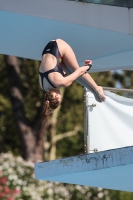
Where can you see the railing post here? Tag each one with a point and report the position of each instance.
(86, 121)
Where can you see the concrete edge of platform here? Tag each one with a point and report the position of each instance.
(85, 162)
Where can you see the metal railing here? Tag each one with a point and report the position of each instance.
(120, 3)
(118, 89)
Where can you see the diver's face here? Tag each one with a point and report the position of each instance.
(56, 94)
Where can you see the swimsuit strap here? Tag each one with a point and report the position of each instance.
(45, 74)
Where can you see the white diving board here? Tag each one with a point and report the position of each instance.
(107, 125)
(112, 169)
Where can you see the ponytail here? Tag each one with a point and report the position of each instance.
(49, 104)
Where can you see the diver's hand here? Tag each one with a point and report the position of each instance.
(88, 63)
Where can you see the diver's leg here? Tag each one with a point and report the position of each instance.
(79, 80)
(68, 54)
(82, 81)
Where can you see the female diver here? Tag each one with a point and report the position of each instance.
(57, 58)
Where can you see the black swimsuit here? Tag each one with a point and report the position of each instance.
(52, 48)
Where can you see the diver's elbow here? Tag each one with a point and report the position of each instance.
(66, 83)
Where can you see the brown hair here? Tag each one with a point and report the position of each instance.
(50, 103)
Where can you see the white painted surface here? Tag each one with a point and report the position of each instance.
(110, 124)
(98, 32)
(105, 169)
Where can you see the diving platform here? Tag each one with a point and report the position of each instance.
(102, 33)
(111, 169)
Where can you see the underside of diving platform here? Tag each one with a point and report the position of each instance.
(112, 169)
(98, 32)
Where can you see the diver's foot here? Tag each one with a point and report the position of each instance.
(101, 93)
